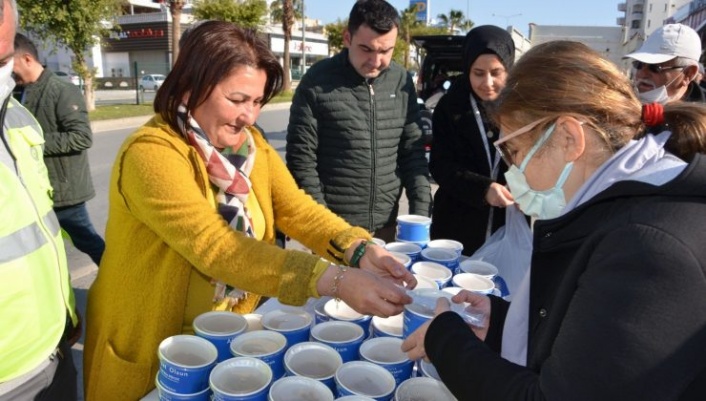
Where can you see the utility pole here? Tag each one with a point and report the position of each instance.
(303, 39)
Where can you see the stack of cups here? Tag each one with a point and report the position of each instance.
(185, 363)
(414, 229)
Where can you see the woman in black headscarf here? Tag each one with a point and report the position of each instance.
(463, 160)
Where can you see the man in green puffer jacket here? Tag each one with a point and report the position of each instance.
(353, 139)
(60, 110)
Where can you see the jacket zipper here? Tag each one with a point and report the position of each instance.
(373, 151)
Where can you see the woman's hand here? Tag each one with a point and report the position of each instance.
(479, 303)
(379, 261)
(499, 196)
(363, 291)
(414, 344)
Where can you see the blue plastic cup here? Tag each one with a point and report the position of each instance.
(439, 273)
(266, 345)
(293, 323)
(313, 360)
(320, 315)
(412, 250)
(185, 363)
(414, 228)
(166, 395)
(339, 310)
(344, 337)
(299, 388)
(414, 316)
(387, 353)
(442, 256)
(220, 328)
(241, 379)
(365, 378)
(387, 326)
(450, 244)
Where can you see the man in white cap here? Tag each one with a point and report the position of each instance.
(666, 65)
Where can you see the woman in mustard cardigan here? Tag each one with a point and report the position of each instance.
(195, 196)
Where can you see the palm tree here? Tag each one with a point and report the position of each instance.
(175, 7)
(286, 11)
(408, 20)
(455, 20)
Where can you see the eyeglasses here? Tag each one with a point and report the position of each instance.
(656, 68)
(501, 144)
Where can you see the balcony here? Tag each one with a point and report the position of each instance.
(622, 7)
(620, 21)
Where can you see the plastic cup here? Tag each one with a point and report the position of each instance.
(473, 282)
(240, 379)
(266, 345)
(339, 310)
(387, 353)
(185, 363)
(423, 388)
(220, 328)
(446, 244)
(299, 388)
(439, 273)
(313, 360)
(365, 378)
(387, 327)
(344, 337)
(478, 267)
(293, 323)
(411, 227)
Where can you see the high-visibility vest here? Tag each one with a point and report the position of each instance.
(35, 288)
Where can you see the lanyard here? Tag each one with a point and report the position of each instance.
(493, 165)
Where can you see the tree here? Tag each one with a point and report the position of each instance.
(276, 10)
(334, 33)
(455, 20)
(287, 24)
(408, 20)
(248, 14)
(175, 7)
(75, 24)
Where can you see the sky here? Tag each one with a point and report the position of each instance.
(519, 13)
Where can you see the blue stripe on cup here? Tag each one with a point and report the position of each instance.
(166, 395)
(412, 227)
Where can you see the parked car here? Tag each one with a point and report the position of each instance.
(442, 64)
(151, 82)
(68, 77)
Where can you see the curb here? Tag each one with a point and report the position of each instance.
(133, 122)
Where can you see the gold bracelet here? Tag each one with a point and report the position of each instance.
(337, 281)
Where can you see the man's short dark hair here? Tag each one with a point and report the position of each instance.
(24, 45)
(379, 15)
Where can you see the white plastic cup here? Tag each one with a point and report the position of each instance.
(387, 326)
(423, 388)
(424, 282)
(474, 283)
(240, 379)
(220, 328)
(299, 388)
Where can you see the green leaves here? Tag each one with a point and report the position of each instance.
(247, 14)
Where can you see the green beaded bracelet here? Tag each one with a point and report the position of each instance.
(358, 254)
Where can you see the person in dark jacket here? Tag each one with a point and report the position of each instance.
(60, 110)
(614, 306)
(468, 206)
(353, 140)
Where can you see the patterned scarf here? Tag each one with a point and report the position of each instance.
(228, 170)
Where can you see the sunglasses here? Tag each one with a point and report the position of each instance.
(501, 144)
(655, 68)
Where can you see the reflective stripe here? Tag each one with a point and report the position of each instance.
(27, 239)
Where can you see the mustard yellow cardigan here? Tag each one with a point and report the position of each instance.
(163, 227)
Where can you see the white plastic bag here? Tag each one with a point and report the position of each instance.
(509, 249)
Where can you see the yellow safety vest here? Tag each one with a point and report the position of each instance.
(35, 288)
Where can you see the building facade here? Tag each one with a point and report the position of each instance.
(606, 40)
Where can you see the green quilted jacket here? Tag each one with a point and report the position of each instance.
(354, 144)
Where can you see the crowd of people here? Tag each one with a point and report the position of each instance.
(609, 169)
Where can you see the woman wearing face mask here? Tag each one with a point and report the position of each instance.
(463, 161)
(614, 306)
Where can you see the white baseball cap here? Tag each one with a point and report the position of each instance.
(668, 42)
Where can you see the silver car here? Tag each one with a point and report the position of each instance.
(151, 82)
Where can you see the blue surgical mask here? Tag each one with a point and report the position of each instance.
(539, 204)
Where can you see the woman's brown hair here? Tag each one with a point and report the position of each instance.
(209, 54)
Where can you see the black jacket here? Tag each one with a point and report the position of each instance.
(617, 304)
(353, 145)
(60, 110)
